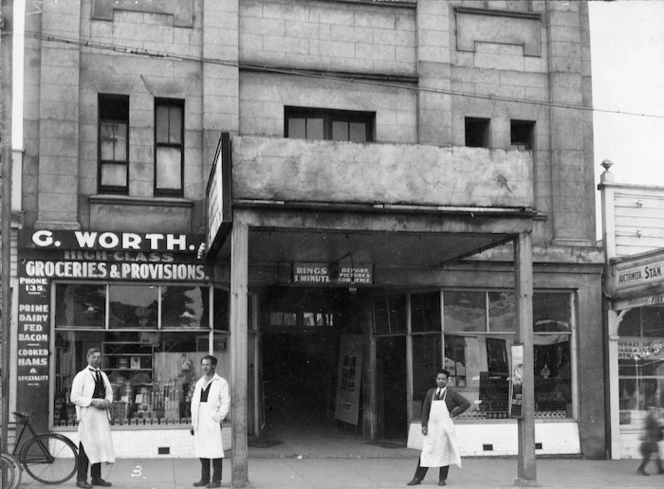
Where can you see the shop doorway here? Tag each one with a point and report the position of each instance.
(301, 331)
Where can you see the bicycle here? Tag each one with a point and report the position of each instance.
(10, 471)
(49, 458)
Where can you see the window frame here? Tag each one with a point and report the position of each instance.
(330, 116)
(112, 189)
(168, 103)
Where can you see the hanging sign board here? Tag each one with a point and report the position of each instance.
(326, 274)
(516, 383)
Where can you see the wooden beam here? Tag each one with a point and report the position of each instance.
(238, 352)
(523, 281)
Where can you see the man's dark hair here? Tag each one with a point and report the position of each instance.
(443, 371)
(212, 359)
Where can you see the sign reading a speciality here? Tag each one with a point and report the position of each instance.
(326, 274)
(516, 383)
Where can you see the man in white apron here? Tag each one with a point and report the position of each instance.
(92, 394)
(210, 403)
(440, 448)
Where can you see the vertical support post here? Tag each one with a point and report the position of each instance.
(523, 281)
(7, 19)
(238, 352)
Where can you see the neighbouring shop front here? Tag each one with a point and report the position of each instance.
(636, 325)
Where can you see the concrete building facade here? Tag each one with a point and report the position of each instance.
(400, 186)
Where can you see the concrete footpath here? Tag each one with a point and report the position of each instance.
(300, 472)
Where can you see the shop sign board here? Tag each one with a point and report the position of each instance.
(219, 193)
(33, 345)
(637, 281)
(326, 274)
(347, 405)
(637, 348)
(516, 383)
(81, 255)
(45, 239)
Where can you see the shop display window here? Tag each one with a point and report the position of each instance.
(151, 337)
(425, 311)
(80, 305)
(478, 331)
(389, 314)
(640, 364)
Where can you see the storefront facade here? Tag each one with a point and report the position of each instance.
(634, 282)
(362, 221)
(147, 300)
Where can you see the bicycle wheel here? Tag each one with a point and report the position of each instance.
(10, 471)
(49, 458)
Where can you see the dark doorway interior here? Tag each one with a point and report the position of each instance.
(300, 335)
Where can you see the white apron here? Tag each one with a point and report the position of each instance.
(94, 431)
(208, 435)
(439, 448)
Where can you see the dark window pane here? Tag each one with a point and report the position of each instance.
(340, 131)
(464, 311)
(133, 306)
(182, 307)
(80, 305)
(477, 132)
(389, 314)
(425, 312)
(113, 107)
(426, 360)
(653, 321)
(222, 310)
(551, 312)
(113, 141)
(381, 316)
(631, 323)
(162, 124)
(502, 312)
(315, 129)
(358, 132)
(175, 125)
(553, 385)
(297, 128)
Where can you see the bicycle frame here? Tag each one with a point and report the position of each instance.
(33, 434)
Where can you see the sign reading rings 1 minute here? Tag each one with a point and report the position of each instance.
(115, 272)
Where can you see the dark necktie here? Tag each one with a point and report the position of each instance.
(438, 395)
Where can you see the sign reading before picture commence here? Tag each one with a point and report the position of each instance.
(328, 275)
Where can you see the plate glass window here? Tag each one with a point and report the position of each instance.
(113, 148)
(169, 147)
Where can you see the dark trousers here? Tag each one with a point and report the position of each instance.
(647, 449)
(82, 466)
(216, 467)
(420, 471)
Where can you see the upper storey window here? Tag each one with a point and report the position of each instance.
(113, 143)
(336, 125)
(169, 147)
(477, 132)
(522, 135)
